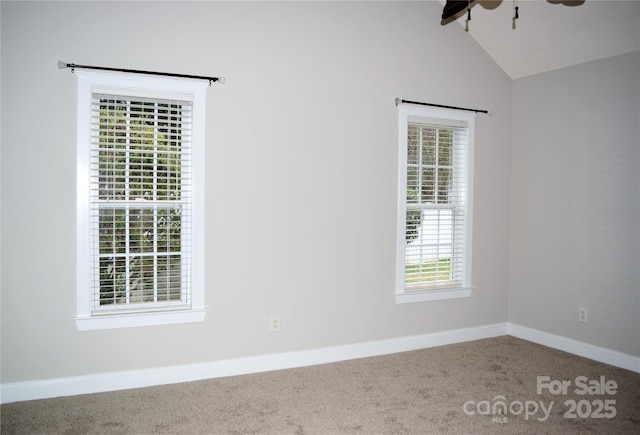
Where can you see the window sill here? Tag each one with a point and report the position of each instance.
(132, 320)
(433, 295)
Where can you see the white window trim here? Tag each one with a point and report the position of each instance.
(452, 117)
(136, 85)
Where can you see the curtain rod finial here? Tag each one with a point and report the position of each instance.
(62, 65)
(220, 80)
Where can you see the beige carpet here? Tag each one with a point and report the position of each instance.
(447, 389)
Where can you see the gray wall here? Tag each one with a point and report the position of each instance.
(575, 203)
(301, 173)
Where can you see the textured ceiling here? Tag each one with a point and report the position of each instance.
(550, 35)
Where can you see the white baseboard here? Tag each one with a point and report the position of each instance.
(123, 380)
(102, 382)
(597, 353)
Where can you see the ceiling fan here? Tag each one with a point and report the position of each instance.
(454, 9)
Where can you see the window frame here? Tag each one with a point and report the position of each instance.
(441, 116)
(132, 86)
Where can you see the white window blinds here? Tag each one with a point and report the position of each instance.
(140, 202)
(436, 204)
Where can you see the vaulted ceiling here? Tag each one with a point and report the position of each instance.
(549, 34)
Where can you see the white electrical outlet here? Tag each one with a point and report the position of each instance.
(274, 324)
(582, 314)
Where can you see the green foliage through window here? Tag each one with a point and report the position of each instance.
(139, 154)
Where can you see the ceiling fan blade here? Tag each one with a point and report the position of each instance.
(453, 9)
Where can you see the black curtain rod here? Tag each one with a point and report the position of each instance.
(62, 65)
(398, 101)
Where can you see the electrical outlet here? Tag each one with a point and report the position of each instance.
(274, 324)
(582, 314)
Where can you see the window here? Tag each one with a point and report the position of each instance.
(434, 211)
(139, 200)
